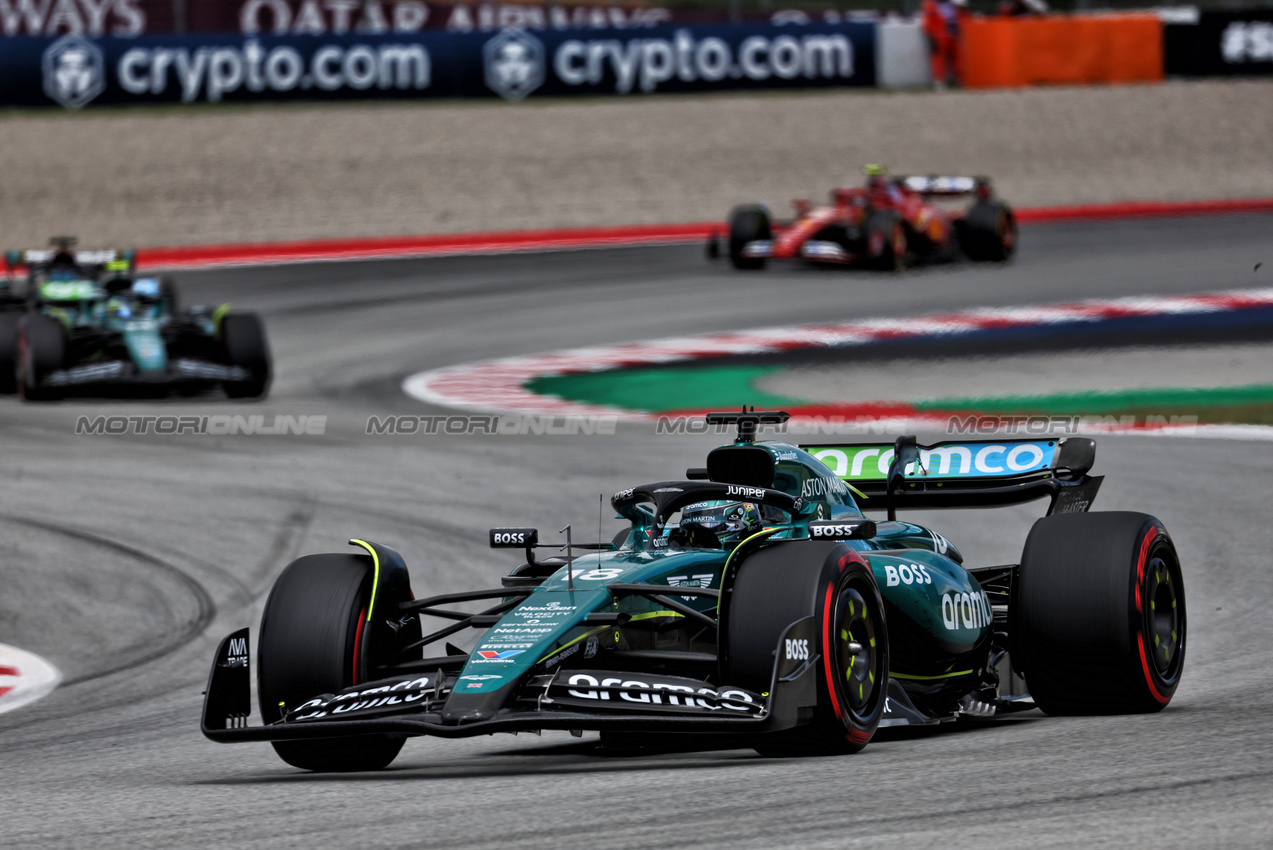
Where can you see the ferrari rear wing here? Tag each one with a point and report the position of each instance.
(965, 473)
(947, 186)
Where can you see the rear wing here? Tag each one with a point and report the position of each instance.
(947, 186)
(109, 259)
(966, 473)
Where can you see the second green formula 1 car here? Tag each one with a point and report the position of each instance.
(89, 324)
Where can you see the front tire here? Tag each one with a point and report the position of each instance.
(829, 581)
(309, 633)
(748, 223)
(8, 353)
(887, 245)
(1098, 620)
(243, 336)
(41, 350)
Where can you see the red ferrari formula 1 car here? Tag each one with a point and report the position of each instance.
(889, 223)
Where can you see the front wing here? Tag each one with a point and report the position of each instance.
(603, 700)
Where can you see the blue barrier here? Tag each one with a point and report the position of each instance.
(75, 71)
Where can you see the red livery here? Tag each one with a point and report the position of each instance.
(889, 223)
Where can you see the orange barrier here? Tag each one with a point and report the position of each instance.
(1062, 50)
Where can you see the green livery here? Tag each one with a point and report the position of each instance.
(752, 598)
(88, 323)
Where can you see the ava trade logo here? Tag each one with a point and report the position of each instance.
(493, 655)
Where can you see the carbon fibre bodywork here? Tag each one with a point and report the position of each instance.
(636, 635)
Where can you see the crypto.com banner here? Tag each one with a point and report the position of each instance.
(75, 71)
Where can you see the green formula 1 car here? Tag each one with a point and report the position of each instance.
(87, 323)
(752, 599)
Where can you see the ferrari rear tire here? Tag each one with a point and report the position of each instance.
(243, 336)
(1097, 620)
(308, 647)
(748, 223)
(829, 581)
(989, 232)
(41, 350)
(8, 353)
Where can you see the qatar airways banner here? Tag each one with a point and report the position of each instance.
(130, 18)
(74, 71)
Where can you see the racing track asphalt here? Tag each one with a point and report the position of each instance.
(149, 549)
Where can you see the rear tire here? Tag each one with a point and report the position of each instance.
(8, 353)
(989, 232)
(1098, 616)
(243, 336)
(308, 634)
(784, 583)
(748, 224)
(41, 350)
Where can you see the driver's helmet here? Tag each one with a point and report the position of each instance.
(728, 520)
(876, 176)
(64, 273)
(119, 308)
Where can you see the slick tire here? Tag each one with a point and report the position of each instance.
(309, 633)
(747, 224)
(41, 350)
(1097, 618)
(989, 232)
(887, 246)
(787, 582)
(169, 295)
(8, 353)
(243, 337)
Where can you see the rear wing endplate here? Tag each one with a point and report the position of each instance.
(969, 473)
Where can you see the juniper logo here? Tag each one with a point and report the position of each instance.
(514, 64)
(74, 71)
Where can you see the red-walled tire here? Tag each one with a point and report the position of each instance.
(790, 581)
(1097, 620)
(307, 648)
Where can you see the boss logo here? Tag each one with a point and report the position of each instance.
(797, 650)
(823, 530)
(514, 537)
(906, 574)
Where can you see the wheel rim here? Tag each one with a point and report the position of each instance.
(1163, 621)
(899, 244)
(857, 650)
